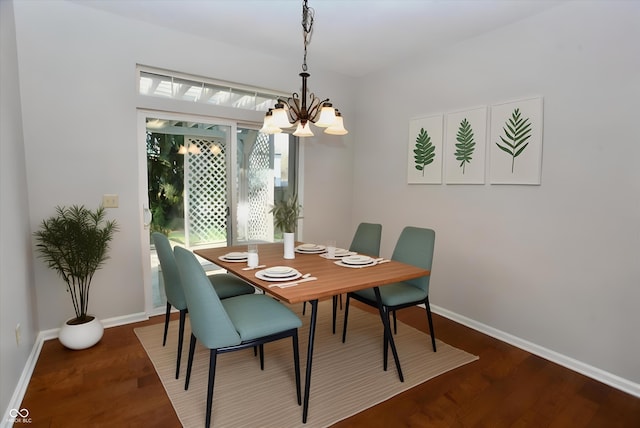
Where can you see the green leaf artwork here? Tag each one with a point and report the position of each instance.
(517, 132)
(466, 145)
(424, 151)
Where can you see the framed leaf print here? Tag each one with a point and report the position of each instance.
(465, 146)
(424, 163)
(516, 142)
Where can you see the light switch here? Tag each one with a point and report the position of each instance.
(110, 201)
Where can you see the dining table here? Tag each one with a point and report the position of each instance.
(331, 279)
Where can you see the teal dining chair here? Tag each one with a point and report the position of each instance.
(231, 324)
(366, 240)
(414, 247)
(228, 286)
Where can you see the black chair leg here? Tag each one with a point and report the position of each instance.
(296, 363)
(183, 315)
(261, 348)
(166, 323)
(346, 317)
(433, 337)
(192, 348)
(212, 378)
(335, 308)
(304, 307)
(395, 323)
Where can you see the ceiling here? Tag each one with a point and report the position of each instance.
(351, 37)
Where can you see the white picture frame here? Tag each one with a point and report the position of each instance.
(516, 142)
(465, 146)
(424, 157)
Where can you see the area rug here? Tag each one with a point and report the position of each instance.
(346, 378)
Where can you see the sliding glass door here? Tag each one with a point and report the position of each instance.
(212, 183)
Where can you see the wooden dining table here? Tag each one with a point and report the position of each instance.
(332, 280)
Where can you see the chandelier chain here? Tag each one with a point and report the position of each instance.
(307, 29)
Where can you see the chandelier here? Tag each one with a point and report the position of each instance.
(304, 109)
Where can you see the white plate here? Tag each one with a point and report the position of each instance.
(279, 271)
(339, 255)
(234, 257)
(261, 275)
(357, 260)
(371, 263)
(310, 249)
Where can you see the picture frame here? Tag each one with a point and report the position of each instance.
(516, 142)
(425, 157)
(465, 146)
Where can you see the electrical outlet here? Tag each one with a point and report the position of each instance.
(18, 334)
(110, 201)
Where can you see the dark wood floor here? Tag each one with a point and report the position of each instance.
(115, 385)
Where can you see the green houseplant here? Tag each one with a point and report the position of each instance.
(286, 213)
(75, 244)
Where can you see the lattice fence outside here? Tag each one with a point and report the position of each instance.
(260, 190)
(206, 192)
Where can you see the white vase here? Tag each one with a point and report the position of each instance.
(81, 336)
(289, 243)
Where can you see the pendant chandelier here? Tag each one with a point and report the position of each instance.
(303, 109)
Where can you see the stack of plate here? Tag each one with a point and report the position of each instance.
(278, 273)
(338, 254)
(234, 257)
(310, 249)
(357, 261)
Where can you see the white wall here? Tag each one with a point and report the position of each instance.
(17, 295)
(555, 264)
(77, 78)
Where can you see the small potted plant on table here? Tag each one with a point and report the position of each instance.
(285, 217)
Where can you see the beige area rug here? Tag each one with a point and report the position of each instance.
(346, 378)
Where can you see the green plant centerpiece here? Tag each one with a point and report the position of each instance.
(75, 243)
(286, 213)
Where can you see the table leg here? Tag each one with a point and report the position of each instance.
(307, 382)
(387, 333)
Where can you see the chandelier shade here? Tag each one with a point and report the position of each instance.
(301, 110)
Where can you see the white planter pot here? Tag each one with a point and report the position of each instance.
(81, 336)
(289, 243)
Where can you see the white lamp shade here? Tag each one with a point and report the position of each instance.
(327, 116)
(280, 118)
(267, 126)
(337, 128)
(303, 131)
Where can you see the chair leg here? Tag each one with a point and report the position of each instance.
(296, 366)
(166, 323)
(304, 307)
(433, 337)
(346, 317)
(212, 378)
(192, 348)
(385, 356)
(183, 315)
(395, 323)
(335, 308)
(261, 348)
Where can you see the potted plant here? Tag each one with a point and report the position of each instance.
(286, 213)
(74, 243)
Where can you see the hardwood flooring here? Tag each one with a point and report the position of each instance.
(115, 385)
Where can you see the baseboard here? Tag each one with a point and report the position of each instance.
(600, 375)
(30, 364)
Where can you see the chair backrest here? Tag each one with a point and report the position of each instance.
(415, 247)
(210, 323)
(170, 275)
(367, 239)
